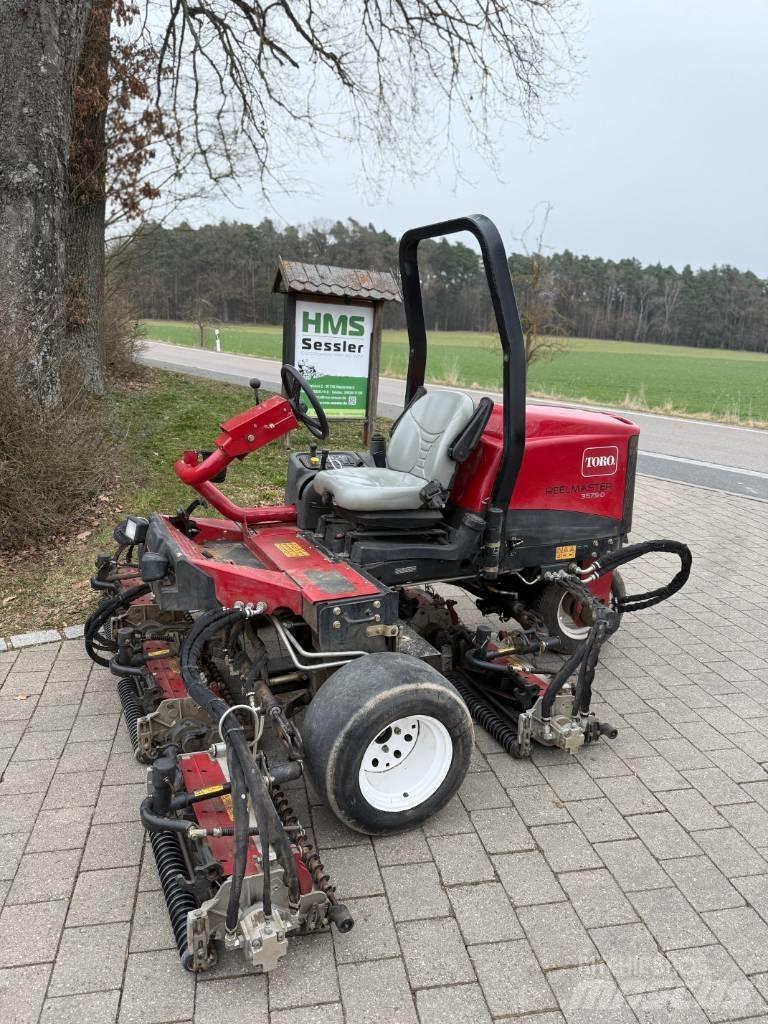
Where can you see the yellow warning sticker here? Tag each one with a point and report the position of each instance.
(208, 791)
(227, 801)
(292, 550)
(565, 551)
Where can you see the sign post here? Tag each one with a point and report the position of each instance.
(332, 334)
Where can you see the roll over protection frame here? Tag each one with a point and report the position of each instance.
(507, 321)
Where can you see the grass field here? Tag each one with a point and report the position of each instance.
(155, 420)
(707, 383)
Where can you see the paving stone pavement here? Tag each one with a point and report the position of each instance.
(628, 883)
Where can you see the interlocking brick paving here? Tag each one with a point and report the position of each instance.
(629, 883)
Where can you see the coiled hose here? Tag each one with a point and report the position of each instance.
(586, 656)
(99, 618)
(637, 602)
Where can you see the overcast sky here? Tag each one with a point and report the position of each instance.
(660, 153)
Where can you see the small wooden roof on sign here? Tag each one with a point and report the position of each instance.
(318, 279)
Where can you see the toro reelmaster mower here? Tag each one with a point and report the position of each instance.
(318, 621)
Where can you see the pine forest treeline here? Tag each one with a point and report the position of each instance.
(224, 272)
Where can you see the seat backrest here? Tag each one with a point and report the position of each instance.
(425, 432)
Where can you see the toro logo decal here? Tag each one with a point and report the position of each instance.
(600, 461)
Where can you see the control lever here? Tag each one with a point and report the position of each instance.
(313, 459)
(324, 457)
(255, 384)
(378, 450)
(197, 503)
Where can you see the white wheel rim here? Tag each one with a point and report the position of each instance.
(406, 763)
(566, 624)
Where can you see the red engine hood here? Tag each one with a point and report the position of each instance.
(574, 460)
(547, 421)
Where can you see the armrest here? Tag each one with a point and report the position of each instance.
(464, 444)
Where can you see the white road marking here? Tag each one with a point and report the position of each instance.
(704, 487)
(705, 465)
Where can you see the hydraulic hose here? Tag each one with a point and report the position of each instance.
(240, 844)
(103, 613)
(583, 691)
(234, 737)
(559, 680)
(471, 658)
(183, 800)
(586, 656)
(260, 796)
(156, 823)
(232, 733)
(637, 602)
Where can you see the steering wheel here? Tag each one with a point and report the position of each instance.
(294, 384)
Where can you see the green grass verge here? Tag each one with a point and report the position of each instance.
(154, 421)
(706, 383)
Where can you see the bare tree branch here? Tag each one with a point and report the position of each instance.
(394, 79)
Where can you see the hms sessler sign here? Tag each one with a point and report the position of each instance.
(332, 345)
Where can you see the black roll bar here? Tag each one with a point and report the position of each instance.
(507, 321)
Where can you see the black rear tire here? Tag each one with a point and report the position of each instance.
(357, 712)
(551, 605)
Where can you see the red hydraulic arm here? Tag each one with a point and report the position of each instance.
(240, 436)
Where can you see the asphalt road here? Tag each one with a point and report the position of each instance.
(713, 455)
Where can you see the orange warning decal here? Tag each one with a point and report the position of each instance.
(292, 550)
(565, 551)
(208, 790)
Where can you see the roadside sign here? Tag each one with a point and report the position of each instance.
(332, 333)
(332, 349)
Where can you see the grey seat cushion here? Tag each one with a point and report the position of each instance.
(368, 489)
(417, 454)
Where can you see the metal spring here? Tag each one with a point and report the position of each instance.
(306, 850)
(132, 710)
(179, 901)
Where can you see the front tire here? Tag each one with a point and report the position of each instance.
(387, 741)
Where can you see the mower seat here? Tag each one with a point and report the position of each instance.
(419, 468)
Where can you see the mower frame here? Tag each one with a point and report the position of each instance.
(323, 623)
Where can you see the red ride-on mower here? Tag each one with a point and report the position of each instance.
(319, 618)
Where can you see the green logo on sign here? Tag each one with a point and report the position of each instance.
(326, 323)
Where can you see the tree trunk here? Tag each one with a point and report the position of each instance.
(86, 210)
(39, 49)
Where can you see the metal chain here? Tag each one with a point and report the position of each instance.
(307, 852)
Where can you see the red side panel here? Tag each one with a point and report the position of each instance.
(165, 672)
(319, 577)
(294, 570)
(200, 772)
(574, 461)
